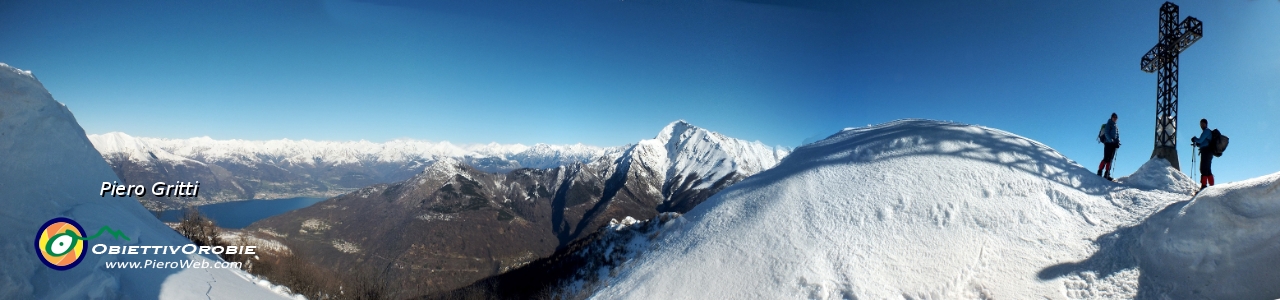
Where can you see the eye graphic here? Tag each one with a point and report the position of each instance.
(61, 244)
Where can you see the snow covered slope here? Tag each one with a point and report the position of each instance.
(49, 169)
(1224, 244)
(910, 209)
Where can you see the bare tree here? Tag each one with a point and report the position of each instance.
(200, 229)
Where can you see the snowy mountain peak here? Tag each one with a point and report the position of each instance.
(119, 143)
(444, 167)
(674, 129)
(692, 159)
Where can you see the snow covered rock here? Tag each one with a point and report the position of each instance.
(49, 169)
(1224, 244)
(909, 209)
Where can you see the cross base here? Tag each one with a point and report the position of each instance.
(1168, 153)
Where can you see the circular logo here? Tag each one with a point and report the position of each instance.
(60, 243)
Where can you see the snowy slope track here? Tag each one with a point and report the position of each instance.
(912, 209)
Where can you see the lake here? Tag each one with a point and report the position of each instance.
(238, 214)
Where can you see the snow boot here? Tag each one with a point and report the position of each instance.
(1108, 176)
(1099, 172)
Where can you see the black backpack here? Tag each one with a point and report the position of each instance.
(1219, 143)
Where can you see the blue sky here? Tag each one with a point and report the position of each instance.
(613, 72)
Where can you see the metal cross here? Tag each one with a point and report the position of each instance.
(1163, 59)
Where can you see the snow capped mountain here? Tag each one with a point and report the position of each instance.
(521, 215)
(542, 156)
(691, 160)
(118, 143)
(308, 152)
(48, 169)
(694, 151)
(239, 169)
(925, 209)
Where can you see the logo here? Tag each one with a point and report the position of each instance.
(59, 245)
(61, 242)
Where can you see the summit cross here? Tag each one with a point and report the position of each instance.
(1162, 59)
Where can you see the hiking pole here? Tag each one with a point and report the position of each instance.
(1193, 163)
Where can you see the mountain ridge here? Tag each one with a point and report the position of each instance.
(513, 218)
(239, 170)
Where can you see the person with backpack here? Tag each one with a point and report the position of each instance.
(1110, 138)
(1206, 144)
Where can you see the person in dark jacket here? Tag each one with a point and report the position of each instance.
(1111, 140)
(1205, 143)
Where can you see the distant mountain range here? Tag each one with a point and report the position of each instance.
(455, 223)
(231, 170)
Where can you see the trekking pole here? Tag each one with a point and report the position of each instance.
(1193, 163)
